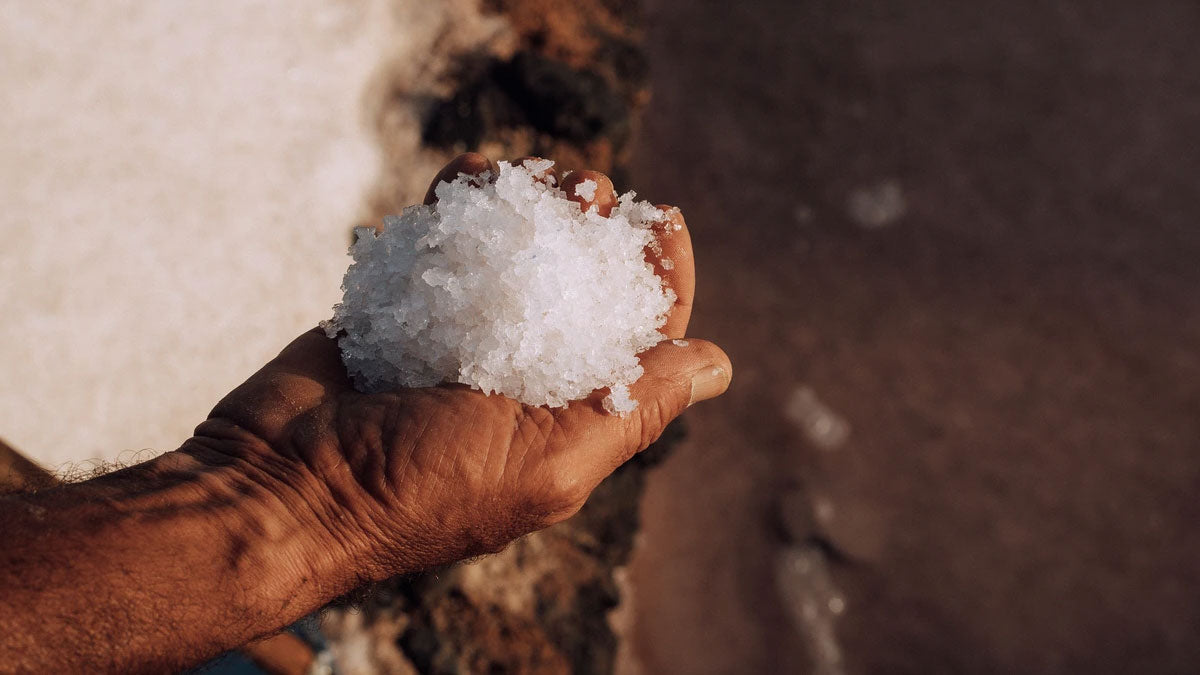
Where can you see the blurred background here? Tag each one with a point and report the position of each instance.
(951, 248)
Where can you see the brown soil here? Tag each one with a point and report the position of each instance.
(1018, 356)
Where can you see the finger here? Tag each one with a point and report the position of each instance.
(549, 176)
(678, 374)
(671, 255)
(590, 188)
(470, 163)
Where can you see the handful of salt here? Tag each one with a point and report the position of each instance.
(508, 287)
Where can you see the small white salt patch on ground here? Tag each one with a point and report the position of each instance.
(814, 603)
(877, 206)
(822, 426)
(802, 214)
(507, 287)
(679, 343)
(823, 510)
(667, 264)
(586, 189)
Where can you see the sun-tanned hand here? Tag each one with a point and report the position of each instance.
(301, 488)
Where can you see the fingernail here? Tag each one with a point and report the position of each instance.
(708, 383)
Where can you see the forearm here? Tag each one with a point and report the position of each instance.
(156, 567)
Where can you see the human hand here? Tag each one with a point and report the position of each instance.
(406, 480)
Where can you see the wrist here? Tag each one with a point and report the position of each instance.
(275, 508)
(199, 547)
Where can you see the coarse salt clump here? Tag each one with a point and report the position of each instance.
(508, 287)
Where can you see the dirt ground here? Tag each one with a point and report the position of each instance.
(971, 230)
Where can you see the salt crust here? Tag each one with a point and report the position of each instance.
(508, 287)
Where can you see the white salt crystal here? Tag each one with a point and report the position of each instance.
(618, 401)
(509, 288)
(586, 189)
(679, 343)
(537, 167)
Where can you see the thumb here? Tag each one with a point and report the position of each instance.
(677, 374)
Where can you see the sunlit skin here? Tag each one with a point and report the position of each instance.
(298, 489)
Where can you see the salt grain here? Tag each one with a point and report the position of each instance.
(586, 189)
(509, 288)
(537, 167)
